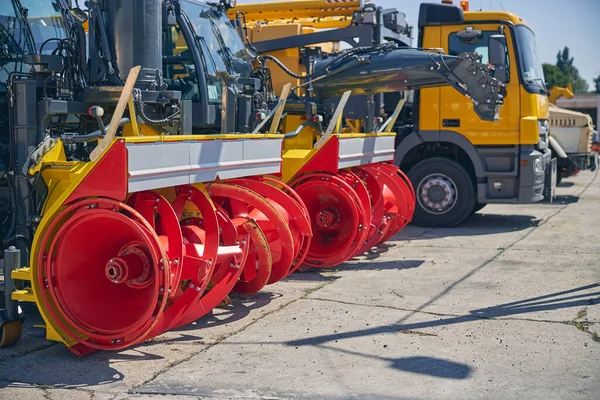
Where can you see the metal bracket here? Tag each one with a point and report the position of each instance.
(12, 261)
(389, 124)
(276, 112)
(336, 120)
(118, 113)
(133, 116)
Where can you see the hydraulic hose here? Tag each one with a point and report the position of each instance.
(139, 107)
(90, 137)
(283, 67)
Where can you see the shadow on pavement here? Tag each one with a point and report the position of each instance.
(382, 265)
(377, 251)
(311, 275)
(432, 366)
(565, 184)
(240, 307)
(555, 301)
(61, 369)
(424, 365)
(477, 224)
(563, 199)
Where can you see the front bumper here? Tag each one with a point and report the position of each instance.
(531, 184)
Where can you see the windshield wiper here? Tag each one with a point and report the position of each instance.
(540, 80)
(22, 15)
(200, 42)
(222, 43)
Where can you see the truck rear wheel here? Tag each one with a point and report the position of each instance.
(445, 193)
(478, 206)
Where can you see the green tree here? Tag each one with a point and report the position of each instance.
(564, 62)
(597, 83)
(554, 76)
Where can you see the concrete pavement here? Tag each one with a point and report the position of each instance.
(504, 306)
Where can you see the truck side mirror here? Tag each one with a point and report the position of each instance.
(79, 15)
(497, 56)
(497, 50)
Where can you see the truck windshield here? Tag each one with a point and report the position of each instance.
(16, 39)
(223, 43)
(12, 35)
(45, 22)
(531, 67)
(13, 41)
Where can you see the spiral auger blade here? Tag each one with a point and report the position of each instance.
(292, 209)
(190, 219)
(380, 222)
(243, 206)
(392, 198)
(339, 225)
(232, 254)
(406, 207)
(366, 206)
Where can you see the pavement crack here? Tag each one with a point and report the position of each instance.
(417, 333)
(447, 315)
(554, 250)
(497, 255)
(221, 339)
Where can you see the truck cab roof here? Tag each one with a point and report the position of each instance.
(432, 14)
(494, 16)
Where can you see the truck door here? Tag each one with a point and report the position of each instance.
(456, 111)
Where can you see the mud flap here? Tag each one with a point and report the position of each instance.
(550, 181)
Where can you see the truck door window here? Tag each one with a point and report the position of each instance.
(456, 46)
(220, 45)
(179, 69)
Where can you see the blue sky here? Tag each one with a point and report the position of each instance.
(557, 23)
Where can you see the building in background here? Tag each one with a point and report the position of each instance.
(588, 103)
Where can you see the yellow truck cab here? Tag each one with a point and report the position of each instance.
(457, 162)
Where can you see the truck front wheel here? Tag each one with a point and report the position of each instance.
(445, 193)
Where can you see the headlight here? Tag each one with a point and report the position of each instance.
(543, 130)
(538, 166)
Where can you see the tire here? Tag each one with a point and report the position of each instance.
(478, 206)
(445, 193)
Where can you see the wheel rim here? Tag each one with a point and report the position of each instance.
(437, 194)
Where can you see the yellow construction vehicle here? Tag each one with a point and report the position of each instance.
(147, 176)
(457, 161)
(556, 92)
(571, 136)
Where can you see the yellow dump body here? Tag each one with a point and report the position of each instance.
(284, 11)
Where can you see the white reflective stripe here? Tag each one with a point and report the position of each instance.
(366, 150)
(165, 164)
